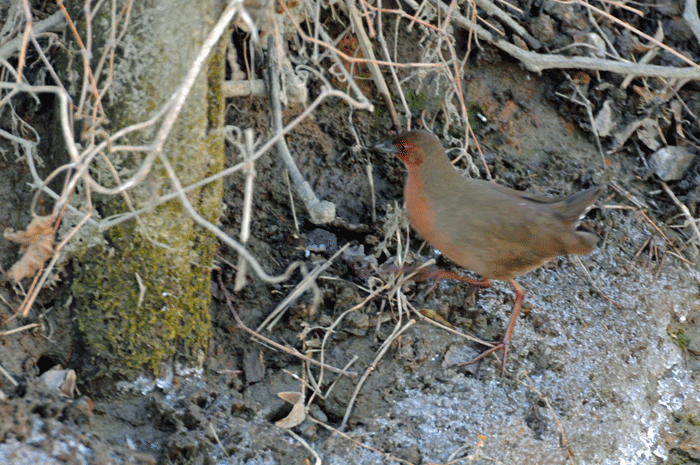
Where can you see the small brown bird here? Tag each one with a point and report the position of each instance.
(492, 230)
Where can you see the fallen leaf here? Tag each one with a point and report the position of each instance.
(64, 382)
(37, 246)
(650, 134)
(677, 111)
(426, 312)
(298, 413)
(604, 121)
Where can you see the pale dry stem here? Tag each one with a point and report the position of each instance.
(399, 328)
(247, 209)
(387, 456)
(289, 350)
(588, 106)
(9, 377)
(640, 208)
(545, 399)
(691, 222)
(20, 329)
(368, 52)
(330, 329)
(537, 62)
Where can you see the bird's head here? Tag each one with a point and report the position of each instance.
(414, 148)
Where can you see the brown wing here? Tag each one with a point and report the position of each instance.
(498, 234)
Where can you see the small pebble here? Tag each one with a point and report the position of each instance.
(670, 163)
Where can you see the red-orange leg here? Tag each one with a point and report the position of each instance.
(437, 273)
(505, 342)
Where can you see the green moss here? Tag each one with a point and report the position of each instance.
(419, 101)
(215, 95)
(126, 332)
(128, 326)
(456, 132)
(416, 101)
(476, 117)
(685, 431)
(679, 338)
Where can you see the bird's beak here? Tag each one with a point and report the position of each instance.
(385, 147)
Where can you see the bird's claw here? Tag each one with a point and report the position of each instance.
(503, 345)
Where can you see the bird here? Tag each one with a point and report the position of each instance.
(494, 231)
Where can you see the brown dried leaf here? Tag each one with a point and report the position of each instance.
(604, 122)
(37, 246)
(298, 413)
(677, 111)
(63, 382)
(426, 312)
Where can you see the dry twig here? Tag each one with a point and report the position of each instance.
(308, 281)
(380, 353)
(691, 222)
(247, 209)
(320, 211)
(368, 52)
(389, 457)
(289, 350)
(544, 398)
(690, 14)
(537, 62)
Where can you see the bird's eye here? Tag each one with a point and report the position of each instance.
(409, 153)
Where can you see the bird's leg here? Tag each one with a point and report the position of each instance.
(505, 342)
(437, 273)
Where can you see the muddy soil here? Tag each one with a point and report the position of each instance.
(603, 366)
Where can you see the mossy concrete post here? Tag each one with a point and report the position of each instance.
(140, 304)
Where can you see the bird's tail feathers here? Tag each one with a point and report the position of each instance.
(574, 207)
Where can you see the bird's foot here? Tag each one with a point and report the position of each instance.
(503, 345)
(517, 306)
(437, 274)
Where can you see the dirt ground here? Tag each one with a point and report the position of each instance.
(604, 365)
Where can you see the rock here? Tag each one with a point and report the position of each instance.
(605, 120)
(320, 240)
(670, 163)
